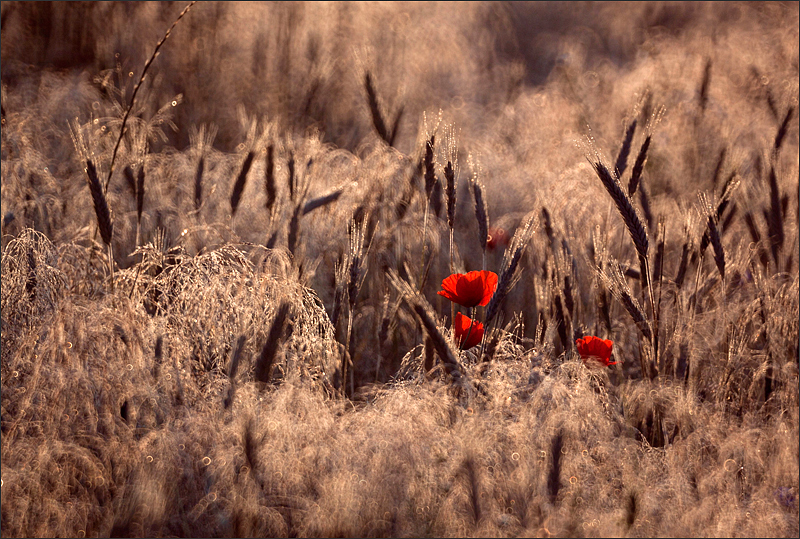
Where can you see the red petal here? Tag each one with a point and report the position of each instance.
(462, 328)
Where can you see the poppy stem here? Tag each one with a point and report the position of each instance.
(465, 340)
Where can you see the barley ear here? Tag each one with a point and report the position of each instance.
(238, 186)
(374, 109)
(626, 210)
(481, 214)
(450, 176)
(198, 184)
(622, 157)
(422, 309)
(100, 203)
(638, 167)
(263, 372)
(269, 178)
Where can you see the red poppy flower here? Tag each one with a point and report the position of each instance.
(470, 289)
(462, 327)
(497, 237)
(597, 349)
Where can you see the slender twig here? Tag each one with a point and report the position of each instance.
(136, 90)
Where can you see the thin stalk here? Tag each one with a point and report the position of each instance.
(136, 91)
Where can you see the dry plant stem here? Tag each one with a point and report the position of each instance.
(687, 376)
(110, 254)
(346, 356)
(449, 174)
(653, 313)
(136, 91)
(662, 239)
(430, 180)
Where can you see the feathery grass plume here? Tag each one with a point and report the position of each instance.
(374, 109)
(269, 178)
(420, 306)
(508, 275)
(704, 85)
(638, 167)
(238, 186)
(775, 218)
(622, 157)
(100, 204)
(263, 370)
(136, 90)
(782, 130)
(198, 183)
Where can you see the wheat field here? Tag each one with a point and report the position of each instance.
(240, 256)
